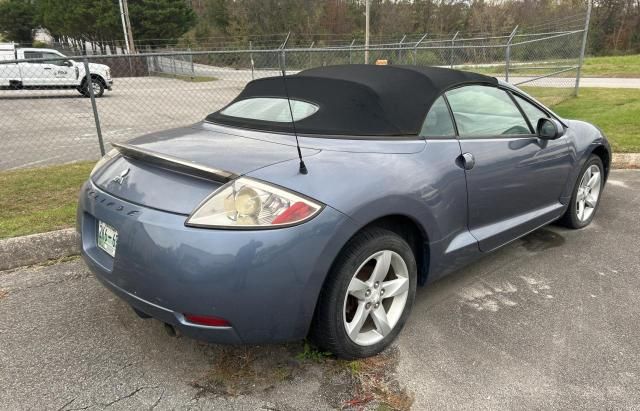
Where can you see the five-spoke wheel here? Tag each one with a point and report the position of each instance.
(588, 192)
(586, 195)
(376, 297)
(367, 296)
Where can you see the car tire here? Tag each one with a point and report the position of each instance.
(375, 261)
(98, 88)
(589, 194)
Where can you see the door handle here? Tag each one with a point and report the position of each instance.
(468, 161)
(47, 68)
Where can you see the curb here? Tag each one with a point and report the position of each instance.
(625, 160)
(37, 248)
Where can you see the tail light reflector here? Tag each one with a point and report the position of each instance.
(206, 320)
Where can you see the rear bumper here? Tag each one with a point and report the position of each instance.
(221, 335)
(265, 282)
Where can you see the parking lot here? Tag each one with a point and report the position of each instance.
(549, 321)
(56, 126)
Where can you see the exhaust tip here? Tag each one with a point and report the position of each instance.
(170, 329)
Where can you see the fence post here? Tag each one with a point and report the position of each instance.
(193, 69)
(400, 49)
(508, 54)
(283, 61)
(584, 46)
(350, 47)
(87, 74)
(251, 57)
(150, 64)
(415, 49)
(311, 53)
(453, 42)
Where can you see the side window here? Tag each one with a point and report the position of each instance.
(55, 59)
(483, 111)
(533, 113)
(438, 122)
(33, 55)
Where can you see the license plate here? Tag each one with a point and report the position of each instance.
(107, 238)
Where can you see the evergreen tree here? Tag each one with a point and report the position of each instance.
(17, 20)
(153, 20)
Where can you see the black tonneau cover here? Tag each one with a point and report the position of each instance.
(357, 99)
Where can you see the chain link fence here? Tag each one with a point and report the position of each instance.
(65, 120)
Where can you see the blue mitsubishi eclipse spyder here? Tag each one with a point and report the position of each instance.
(314, 204)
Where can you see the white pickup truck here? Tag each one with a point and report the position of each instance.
(58, 72)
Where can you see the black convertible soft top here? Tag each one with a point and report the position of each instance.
(357, 99)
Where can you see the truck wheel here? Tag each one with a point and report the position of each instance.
(98, 88)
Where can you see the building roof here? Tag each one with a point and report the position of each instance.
(357, 99)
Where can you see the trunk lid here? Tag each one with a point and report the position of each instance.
(175, 170)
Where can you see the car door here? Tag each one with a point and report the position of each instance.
(53, 72)
(442, 171)
(33, 73)
(514, 179)
(61, 72)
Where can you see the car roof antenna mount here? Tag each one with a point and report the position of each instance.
(303, 167)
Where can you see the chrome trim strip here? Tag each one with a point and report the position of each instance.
(174, 163)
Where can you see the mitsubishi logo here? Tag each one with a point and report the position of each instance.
(120, 179)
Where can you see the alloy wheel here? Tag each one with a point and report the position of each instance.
(376, 298)
(95, 86)
(588, 193)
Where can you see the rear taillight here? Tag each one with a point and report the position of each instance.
(206, 320)
(248, 204)
(297, 212)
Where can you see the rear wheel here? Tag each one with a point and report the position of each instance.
(367, 296)
(586, 195)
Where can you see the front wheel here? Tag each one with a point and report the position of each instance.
(586, 195)
(96, 84)
(367, 296)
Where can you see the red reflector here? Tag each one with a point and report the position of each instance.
(298, 211)
(205, 320)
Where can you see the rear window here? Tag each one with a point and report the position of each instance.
(270, 109)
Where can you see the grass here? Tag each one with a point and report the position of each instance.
(310, 353)
(375, 383)
(41, 199)
(615, 111)
(190, 79)
(610, 66)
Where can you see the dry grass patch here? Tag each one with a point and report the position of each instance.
(363, 384)
(375, 383)
(246, 370)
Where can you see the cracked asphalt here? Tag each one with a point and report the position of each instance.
(549, 321)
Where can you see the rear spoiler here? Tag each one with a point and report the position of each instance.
(174, 163)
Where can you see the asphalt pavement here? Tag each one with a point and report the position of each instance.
(549, 321)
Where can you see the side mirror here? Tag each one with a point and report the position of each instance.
(549, 129)
(67, 63)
